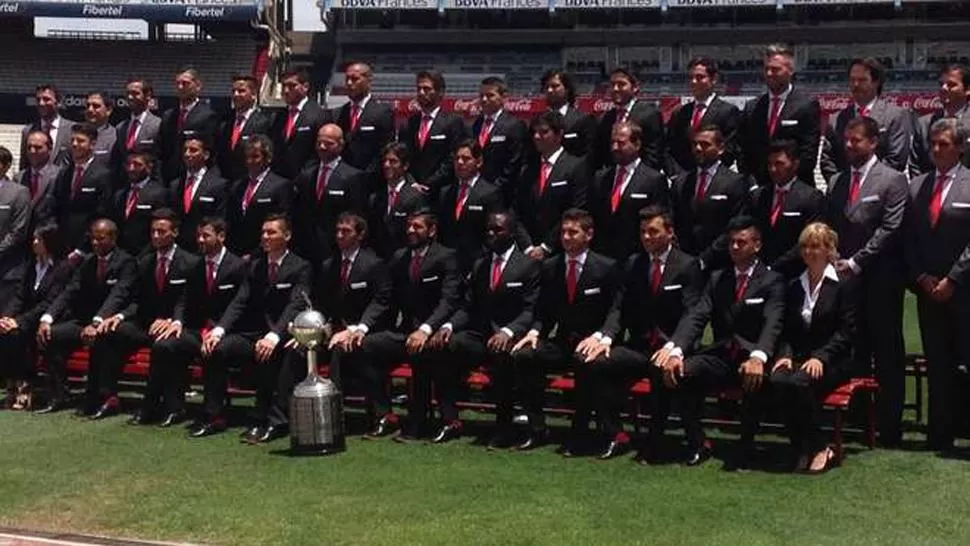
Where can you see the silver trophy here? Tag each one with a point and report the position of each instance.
(316, 408)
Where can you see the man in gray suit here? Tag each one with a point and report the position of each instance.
(50, 121)
(14, 220)
(97, 112)
(140, 131)
(866, 79)
(867, 204)
(937, 245)
(954, 90)
(39, 178)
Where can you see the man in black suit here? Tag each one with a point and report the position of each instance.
(254, 198)
(621, 191)
(866, 207)
(784, 209)
(502, 137)
(82, 193)
(50, 122)
(424, 280)
(391, 205)
(325, 189)
(553, 183)
(706, 109)
(705, 200)
(579, 128)
(191, 117)
(97, 112)
(866, 79)
(159, 317)
(498, 308)
(745, 305)
(368, 124)
(225, 275)
(40, 178)
(937, 238)
(624, 87)
(784, 112)
(201, 193)
(432, 134)
(954, 93)
(465, 205)
(254, 326)
(245, 120)
(576, 299)
(134, 206)
(295, 133)
(85, 312)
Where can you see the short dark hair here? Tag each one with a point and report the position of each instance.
(48, 87)
(217, 224)
(876, 70)
(498, 83)
(260, 141)
(473, 146)
(86, 129)
(437, 79)
(779, 49)
(636, 132)
(6, 158)
(709, 64)
(584, 218)
(711, 128)
(509, 215)
(356, 220)
(962, 68)
(430, 216)
(50, 235)
(870, 125)
(168, 215)
(565, 79)
(279, 217)
(204, 141)
(147, 156)
(300, 74)
(784, 146)
(626, 73)
(647, 214)
(741, 223)
(398, 149)
(552, 120)
(250, 80)
(146, 85)
(105, 97)
(191, 71)
(47, 137)
(111, 224)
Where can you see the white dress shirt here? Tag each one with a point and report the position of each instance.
(811, 294)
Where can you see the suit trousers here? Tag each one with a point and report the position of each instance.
(554, 356)
(381, 352)
(109, 353)
(65, 339)
(15, 364)
(168, 376)
(800, 399)
(943, 329)
(449, 369)
(880, 341)
(611, 382)
(240, 349)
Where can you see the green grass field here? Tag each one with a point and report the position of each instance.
(59, 473)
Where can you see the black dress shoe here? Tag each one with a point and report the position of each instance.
(106, 410)
(614, 449)
(536, 439)
(207, 429)
(254, 430)
(384, 427)
(53, 406)
(270, 433)
(449, 432)
(172, 419)
(698, 456)
(570, 450)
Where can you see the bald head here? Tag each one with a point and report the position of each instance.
(104, 234)
(330, 142)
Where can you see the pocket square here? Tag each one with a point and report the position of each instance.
(871, 199)
(591, 291)
(226, 286)
(754, 301)
(177, 281)
(438, 137)
(430, 279)
(791, 214)
(284, 285)
(497, 138)
(358, 285)
(513, 284)
(789, 122)
(672, 287)
(558, 183)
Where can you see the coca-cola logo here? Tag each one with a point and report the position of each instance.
(927, 103)
(519, 105)
(832, 103)
(600, 106)
(466, 106)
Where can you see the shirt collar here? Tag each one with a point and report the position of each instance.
(352, 256)
(188, 107)
(421, 252)
(628, 107)
(505, 255)
(707, 102)
(259, 177)
(829, 273)
(786, 187)
(46, 264)
(87, 163)
(219, 257)
(279, 262)
(554, 156)
(399, 186)
(579, 258)
(301, 104)
(199, 174)
(866, 107)
(783, 95)
(246, 113)
(563, 110)
(496, 115)
(864, 170)
(333, 164)
(432, 114)
(141, 184)
(952, 173)
(749, 272)
(140, 117)
(471, 181)
(631, 166)
(663, 256)
(168, 254)
(362, 103)
(106, 258)
(711, 171)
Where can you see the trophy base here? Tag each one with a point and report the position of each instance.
(318, 449)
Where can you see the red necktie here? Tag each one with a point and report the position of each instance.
(571, 279)
(856, 188)
(78, 180)
(773, 118)
(291, 121)
(237, 131)
(656, 275)
(695, 120)
(187, 195)
(248, 196)
(416, 260)
(160, 273)
(862, 111)
(702, 185)
(462, 197)
(392, 196)
(102, 271)
(322, 182)
(496, 272)
(424, 130)
(354, 117)
(183, 113)
(936, 201)
(210, 276)
(617, 189)
(132, 202)
(132, 134)
(741, 287)
(780, 196)
(621, 115)
(344, 271)
(274, 272)
(485, 132)
(544, 171)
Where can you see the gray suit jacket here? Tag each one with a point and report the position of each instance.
(105, 145)
(14, 222)
(895, 136)
(920, 161)
(147, 138)
(943, 249)
(870, 229)
(43, 203)
(61, 153)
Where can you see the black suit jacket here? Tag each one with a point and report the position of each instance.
(591, 307)
(432, 165)
(511, 305)
(829, 337)
(135, 229)
(387, 228)
(93, 200)
(85, 298)
(779, 243)
(579, 133)
(723, 114)
(274, 195)
(375, 128)
(895, 137)
(652, 318)
(201, 121)
(566, 188)
(618, 233)
(27, 305)
(231, 277)
(754, 323)
(431, 297)
(291, 155)
(172, 302)
(210, 201)
(466, 234)
(942, 250)
(261, 306)
(314, 221)
(800, 120)
(232, 161)
(700, 226)
(648, 117)
(503, 154)
(365, 299)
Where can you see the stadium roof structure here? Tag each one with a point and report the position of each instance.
(552, 5)
(169, 11)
